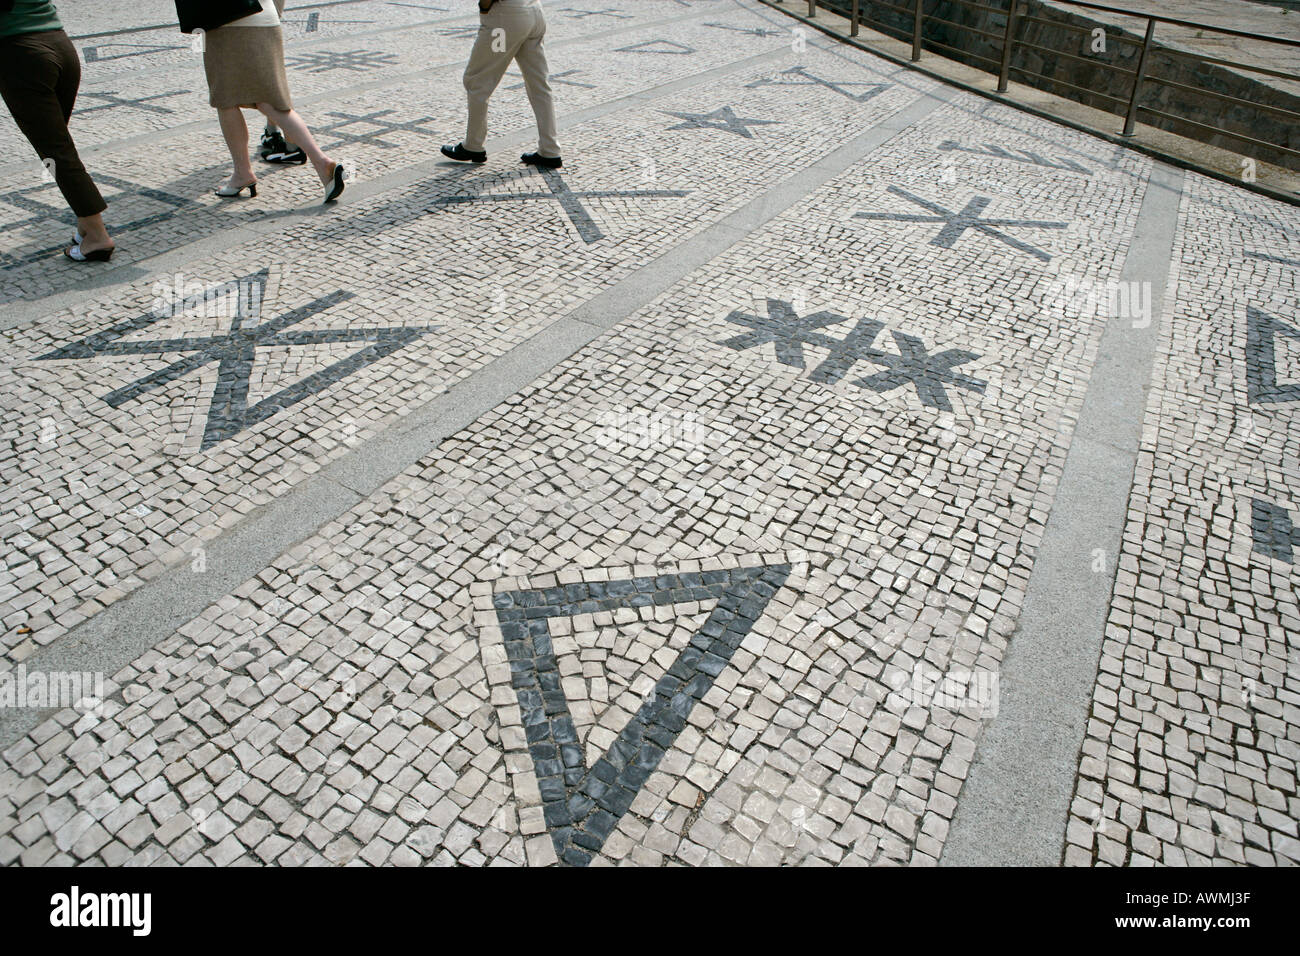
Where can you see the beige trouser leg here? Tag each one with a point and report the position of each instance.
(513, 31)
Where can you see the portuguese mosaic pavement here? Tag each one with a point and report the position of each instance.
(733, 579)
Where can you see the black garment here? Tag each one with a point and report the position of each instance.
(39, 76)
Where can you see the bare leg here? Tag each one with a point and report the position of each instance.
(94, 235)
(296, 132)
(235, 130)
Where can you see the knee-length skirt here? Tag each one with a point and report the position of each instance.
(245, 66)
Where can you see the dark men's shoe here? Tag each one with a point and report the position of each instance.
(294, 156)
(461, 154)
(272, 142)
(545, 162)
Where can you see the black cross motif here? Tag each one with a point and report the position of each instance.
(804, 78)
(43, 212)
(582, 805)
(355, 61)
(373, 137)
(955, 224)
(112, 101)
(670, 47)
(313, 21)
(1273, 532)
(1262, 332)
(91, 54)
(748, 31)
(460, 33)
(789, 333)
(559, 78)
(927, 372)
(235, 353)
(993, 151)
(723, 119)
(576, 14)
(570, 201)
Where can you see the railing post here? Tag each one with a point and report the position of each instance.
(1130, 121)
(812, 8)
(854, 29)
(916, 32)
(1004, 71)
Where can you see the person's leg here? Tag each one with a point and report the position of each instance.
(296, 131)
(91, 228)
(38, 80)
(235, 130)
(537, 81)
(493, 51)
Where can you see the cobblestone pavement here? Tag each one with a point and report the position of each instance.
(678, 506)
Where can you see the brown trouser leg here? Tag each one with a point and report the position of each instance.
(39, 76)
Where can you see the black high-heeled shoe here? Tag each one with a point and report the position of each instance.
(335, 185)
(225, 192)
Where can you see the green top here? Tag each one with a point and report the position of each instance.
(29, 16)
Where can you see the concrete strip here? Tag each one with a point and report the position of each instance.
(126, 629)
(1013, 808)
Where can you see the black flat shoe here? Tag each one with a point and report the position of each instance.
(272, 142)
(288, 157)
(545, 162)
(463, 155)
(75, 254)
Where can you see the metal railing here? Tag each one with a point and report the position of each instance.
(1012, 38)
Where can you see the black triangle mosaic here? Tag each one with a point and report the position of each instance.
(582, 805)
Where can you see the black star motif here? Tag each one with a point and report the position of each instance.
(235, 353)
(576, 14)
(570, 201)
(459, 33)
(748, 31)
(724, 119)
(955, 224)
(1268, 257)
(1029, 157)
(927, 372)
(789, 333)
